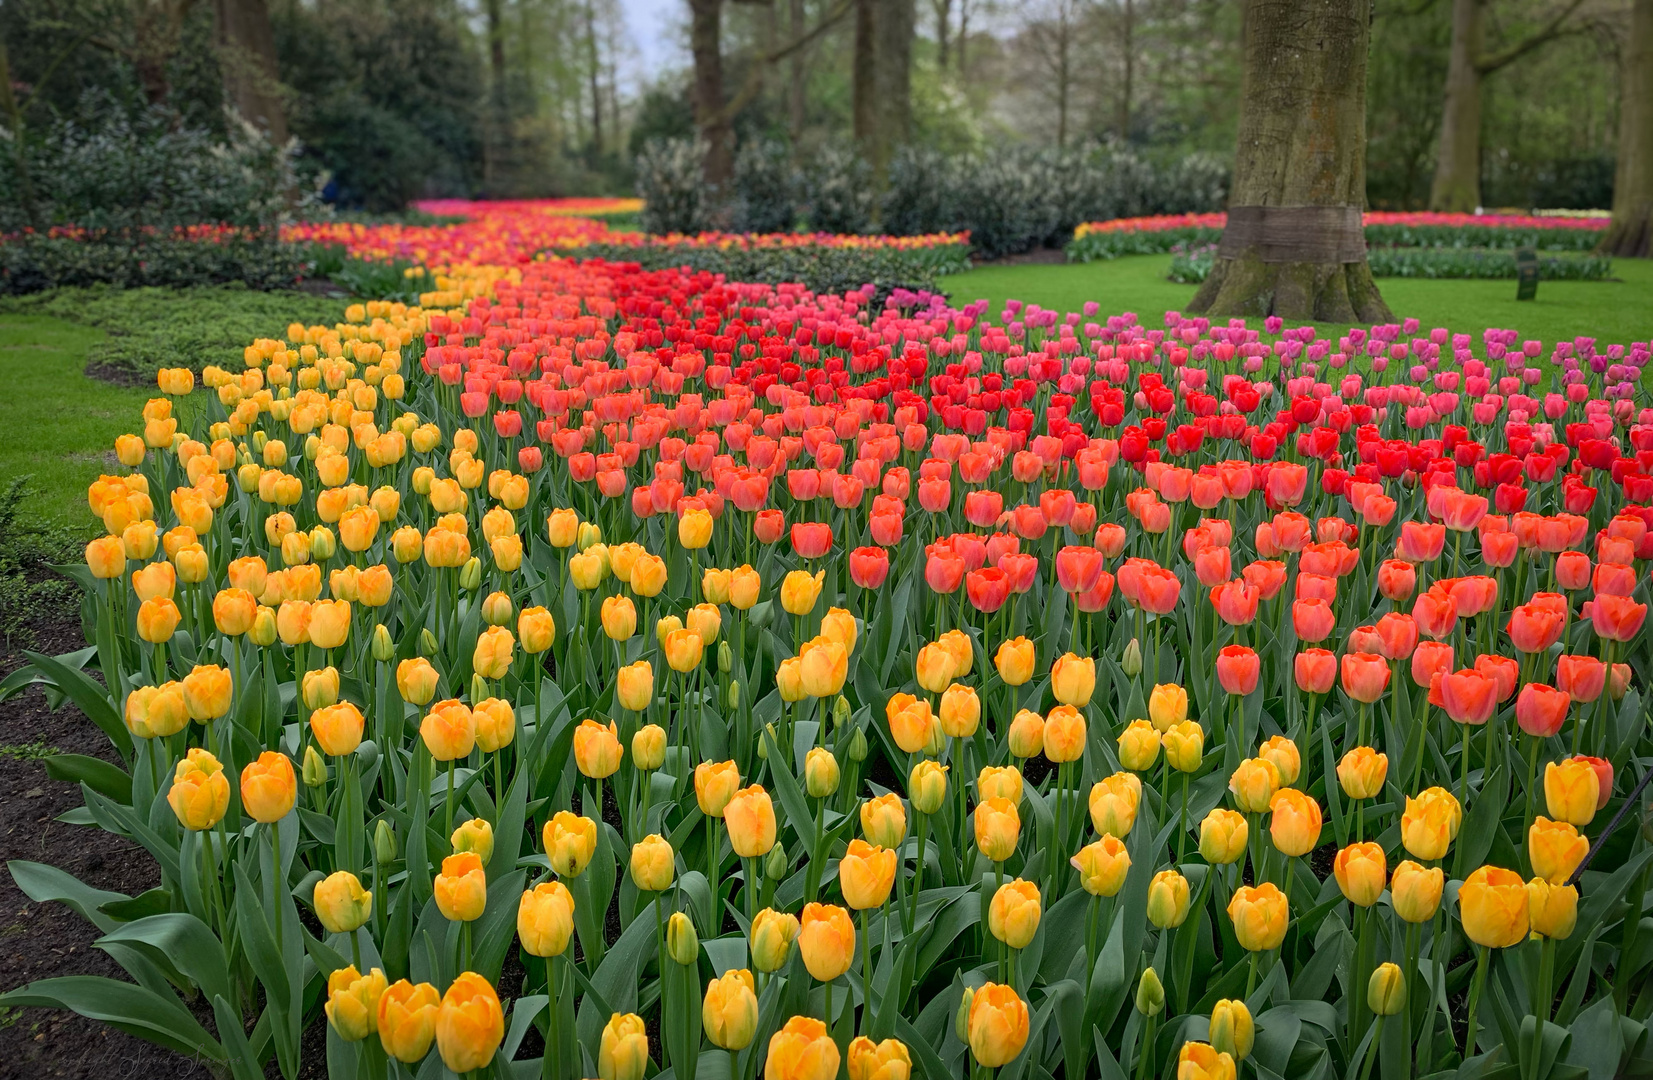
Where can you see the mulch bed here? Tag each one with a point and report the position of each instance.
(42, 941)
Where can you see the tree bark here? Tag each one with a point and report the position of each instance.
(1128, 49)
(1631, 233)
(944, 25)
(864, 77)
(797, 68)
(595, 64)
(247, 57)
(964, 37)
(706, 44)
(897, 21)
(1457, 183)
(1293, 245)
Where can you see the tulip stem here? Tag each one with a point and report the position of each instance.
(1182, 819)
(1251, 976)
(1377, 1034)
(866, 976)
(828, 986)
(1464, 765)
(447, 797)
(1475, 989)
(1541, 1001)
(1144, 1057)
(1532, 772)
(918, 868)
(553, 1048)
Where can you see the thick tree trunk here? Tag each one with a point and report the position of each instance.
(1293, 246)
(1457, 184)
(706, 44)
(864, 77)
(247, 57)
(896, 25)
(1631, 233)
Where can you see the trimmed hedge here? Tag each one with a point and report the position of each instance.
(31, 262)
(822, 268)
(1192, 265)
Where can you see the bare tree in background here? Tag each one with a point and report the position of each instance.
(1056, 33)
(1457, 183)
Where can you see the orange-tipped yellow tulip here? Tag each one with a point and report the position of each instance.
(570, 841)
(1102, 866)
(1430, 823)
(449, 730)
(1168, 899)
(407, 1019)
(802, 1050)
(200, 792)
(341, 904)
(1492, 905)
(470, 1024)
(1260, 916)
(887, 1060)
(1013, 913)
(1556, 848)
(269, 787)
(545, 919)
(998, 828)
(866, 874)
(772, 935)
(1361, 870)
(597, 749)
(653, 864)
(1415, 891)
(462, 887)
(729, 1013)
(353, 1002)
(750, 818)
(826, 940)
(997, 1025)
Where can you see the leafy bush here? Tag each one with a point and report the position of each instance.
(766, 189)
(1017, 200)
(150, 328)
(145, 168)
(671, 185)
(31, 593)
(838, 186)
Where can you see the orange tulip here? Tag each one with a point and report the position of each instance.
(1365, 676)
(1492, 905)
(1468, 696)
(1238, 668)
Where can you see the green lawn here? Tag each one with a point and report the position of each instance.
(1619, 310)
(60, 425)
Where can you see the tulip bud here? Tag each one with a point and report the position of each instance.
(1386, 990)
(587, 535)
(427, 643)
(725, 658)
(384, 648)
(322, 544)
(961, 1020)
(821, 773)
(1232, 1030)
(858, 746)
(497, 609)
(470, 575)
(734, 697)
(1150, 994)
(263, 632)
(1131, 662)
(384, 842)
(682, 943)
(763, 744)
(776, 863)
(315, 769)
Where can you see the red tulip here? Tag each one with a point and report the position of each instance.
(1399, 635)
(1316, 670)
(982, 508)
(1078, 568)
(943, 569)
(1582, 677)
(1312, 620)
(1420, 542)
(768, 526)
(1436, 613)
(869, 566)
(1572, 570)
(1397, 579)
(1468, 696)
(1237, 669)
(1235, 602)
(1097, 596)
(1541, 710)
(1110, 540)
(1021, 569)
(1616, 618)
(1429, 659)
(811, 539)
(1501, 670)
(1533, 629)
(987, 588)
(1159, 590)
(1212, 565)
(1365, 676)
(1267, 577)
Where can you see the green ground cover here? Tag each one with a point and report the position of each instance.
(1617, 310)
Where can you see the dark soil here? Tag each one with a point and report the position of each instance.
(44, 941)
(47, 940)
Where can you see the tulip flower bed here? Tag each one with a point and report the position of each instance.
(1152, 235)
(499, 237)
(1191, 265)
(621, 672)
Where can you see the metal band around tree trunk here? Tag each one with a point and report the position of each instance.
(1294, 234)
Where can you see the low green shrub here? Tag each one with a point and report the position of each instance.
(1191, 265)
(32, 262)
(150, 328)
